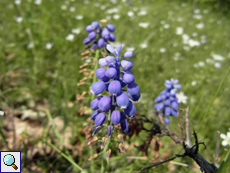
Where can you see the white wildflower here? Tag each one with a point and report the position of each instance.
(181, 97)
(38, 2)
(144, 24)
(116, 16)
(112, 10)
(218, 57)
(200, 25)
(70, 37)
(179, 30)
(72, 9)
(193, 43)
(63, 7)
(130, 48)
(79, 17)
(197, 16)
(197, 11)
(143, 45)
(166, 26)
(19, 19)
(30, 45)
(217, 64)
(162, 50)
(17, 2)
(201, 64)
(194, 83)
(49, 45)
(130, 13)
(142, 13)
(76, 31)
(226, 139)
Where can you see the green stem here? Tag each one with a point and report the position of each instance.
(92, 168)
(210, 106)
(95, 68)
(104, 160)
(65, 156)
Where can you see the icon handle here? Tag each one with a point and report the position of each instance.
(14, 166)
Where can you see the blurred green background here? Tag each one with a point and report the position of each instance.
(41, 46)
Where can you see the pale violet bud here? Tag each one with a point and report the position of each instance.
(167, 102)
(105, 33)
(104, 103)
(110, 27)
(102, 62)
(159, 106)
(133, 89)
(167, 120)
(94, 25)
(128, 54)
(110, 48)
(100, 73)
(109, 59)
(123, 100)
(94, 114)
(130, 110)
(100, 119)
(126, 64)
(118, 48)
(167, 110)
(89, 28)
(115, 87)
(97, 87)
(175, 105)
(92, 35)
(94, 46)
(94, 103)
(111, 73)
(173, 112)
(116, 117)
(87, 40)
(101, 43)
(128, 77)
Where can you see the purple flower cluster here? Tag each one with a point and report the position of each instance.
(122, 89)
(167, 102)
(99, 35)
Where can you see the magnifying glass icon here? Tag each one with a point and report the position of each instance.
(9, 160)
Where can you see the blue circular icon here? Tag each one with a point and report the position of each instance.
(8, 159)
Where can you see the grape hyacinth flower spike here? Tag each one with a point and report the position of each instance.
(121, 87)
(99, 35)
(167, 102)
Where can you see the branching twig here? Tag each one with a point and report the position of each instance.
(187, 127)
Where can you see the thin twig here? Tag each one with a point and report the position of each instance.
(181, 127)
(187, 127)
(216, 156)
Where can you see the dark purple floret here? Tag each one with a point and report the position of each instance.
(112, 37)
(133, 89)
(134, 97)
(130, 110)
(94, 114)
